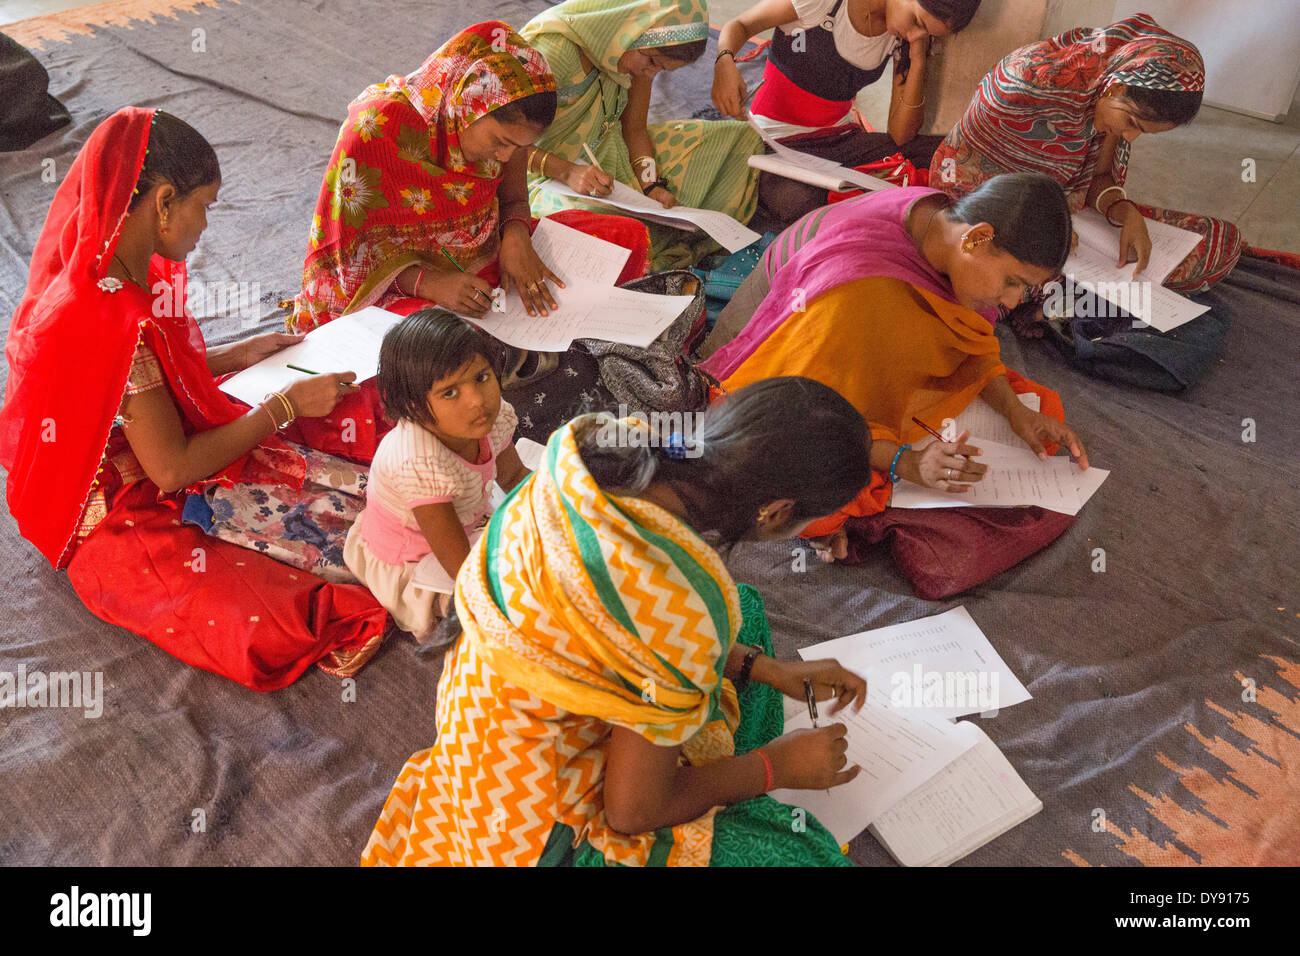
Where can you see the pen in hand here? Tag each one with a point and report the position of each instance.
(812, 701)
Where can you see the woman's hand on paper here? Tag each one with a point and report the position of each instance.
(1035, 428)
(1134, 240)
(811, 759)
(259, 347)
(830, 680)
(948, 465)
(316, 395)
(729, 90)
(460, 292)
(663, 197)
(524, 270)
(588, 180)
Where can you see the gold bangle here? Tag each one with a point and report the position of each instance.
(913, 106)
(288, 407)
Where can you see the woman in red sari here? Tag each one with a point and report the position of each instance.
(425, 200)
(112, 409)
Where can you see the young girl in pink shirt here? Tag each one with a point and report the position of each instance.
(428, 497)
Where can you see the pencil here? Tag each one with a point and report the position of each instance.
(935, 434)
(591, 156)
(299, 368)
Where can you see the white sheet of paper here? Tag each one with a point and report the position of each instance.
(348, 344)
(973, 800)
(897, 659)
(1170, 245)
(1015, 478)
(585, 311)
(572, 255)
(732, 235)
(826, 173)
(896, 755)
(1096, 272)
(985, 424)
(530, 453)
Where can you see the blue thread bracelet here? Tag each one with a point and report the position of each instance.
(893, 476)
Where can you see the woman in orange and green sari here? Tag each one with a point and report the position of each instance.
(613, 698)
(424, 201)
(891, 303)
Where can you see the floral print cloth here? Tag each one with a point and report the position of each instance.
(304, 529)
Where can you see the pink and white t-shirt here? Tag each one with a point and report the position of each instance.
(412, 467)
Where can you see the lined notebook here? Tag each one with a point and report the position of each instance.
(971, 801)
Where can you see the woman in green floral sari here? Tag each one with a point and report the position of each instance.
(605, 55)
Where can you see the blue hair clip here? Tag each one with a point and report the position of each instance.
(676, 447)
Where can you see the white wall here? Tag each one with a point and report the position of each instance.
(1251, 48)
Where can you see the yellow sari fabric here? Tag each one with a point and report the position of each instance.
(581, 612)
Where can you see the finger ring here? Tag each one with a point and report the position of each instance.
(950, 474)
(532, 287)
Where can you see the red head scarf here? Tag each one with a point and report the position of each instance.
(72, 339)
(1034, 111)
(399, 189)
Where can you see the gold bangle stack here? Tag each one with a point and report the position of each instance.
(537, 167)
(287, 405)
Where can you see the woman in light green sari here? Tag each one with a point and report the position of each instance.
(605, 55)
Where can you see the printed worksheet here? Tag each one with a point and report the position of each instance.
(1015, 477)
(985, 424)
(896, 754)
(585, 311)
(897, 662)
(731, 234)
(573, 255)
(1092, 265)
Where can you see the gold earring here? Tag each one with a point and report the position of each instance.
(762, 514)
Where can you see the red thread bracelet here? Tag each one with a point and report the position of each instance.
(1118, 202)
(769, 775)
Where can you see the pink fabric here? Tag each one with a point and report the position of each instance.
(856, 239)
(389, 539)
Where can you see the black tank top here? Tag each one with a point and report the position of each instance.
(819, 68)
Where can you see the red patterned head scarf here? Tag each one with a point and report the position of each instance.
(1034, 111)
(73, 336)
(398, 189)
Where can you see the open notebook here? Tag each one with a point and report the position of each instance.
(971, 801)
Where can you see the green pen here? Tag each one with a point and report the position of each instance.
(453, 259)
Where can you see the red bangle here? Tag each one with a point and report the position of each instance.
(1119, 202)
(415, 289)
(769, 775)
(526, 220)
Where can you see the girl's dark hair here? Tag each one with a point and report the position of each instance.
(537, 109)
(954, 14)
(1164, 106)
(1029, 214)
(179, 155)
(785, 437)
(424, 347)
(687, 52)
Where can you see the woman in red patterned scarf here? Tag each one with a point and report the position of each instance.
(424, 200)
(1071, 107)
(112, 409)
